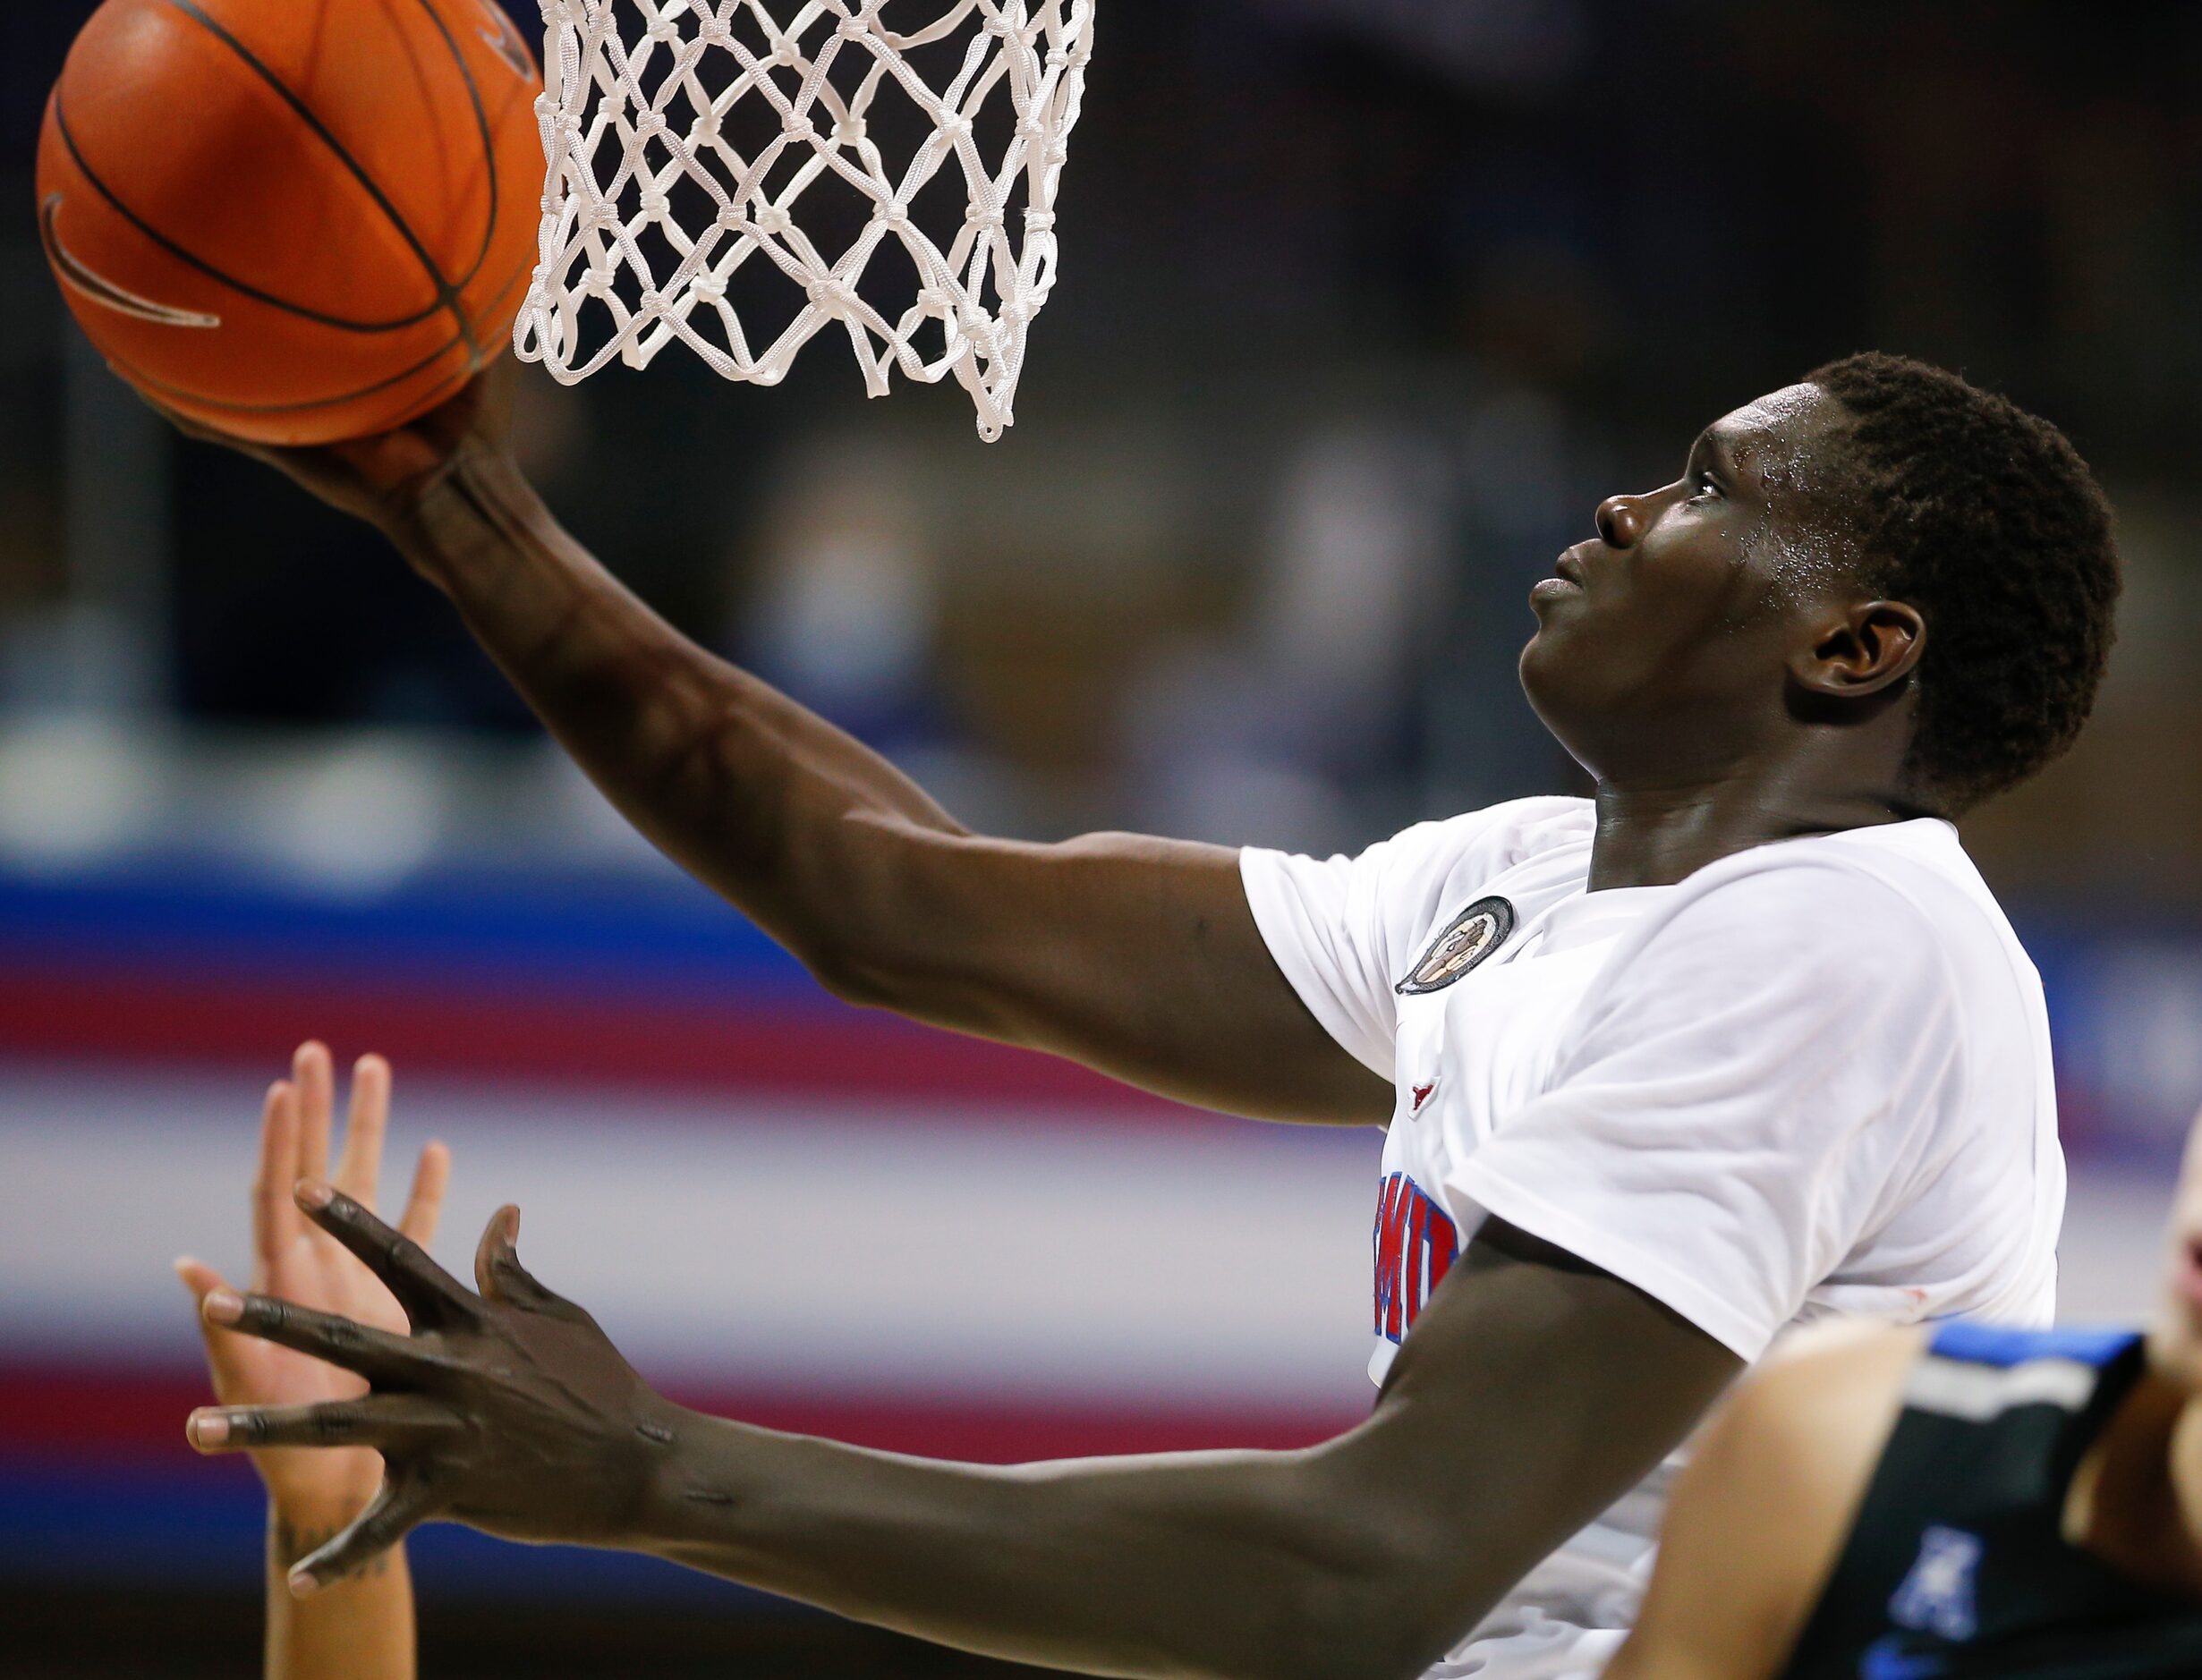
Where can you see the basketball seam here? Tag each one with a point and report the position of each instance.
(473, 364)
(98, 185)
(482, 127)
(447, 294)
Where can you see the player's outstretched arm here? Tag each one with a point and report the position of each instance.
(364, 1629)
(1136, 956)
(1533, 1392)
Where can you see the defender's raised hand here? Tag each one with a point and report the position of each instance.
(295, 1263)
(506, 1409)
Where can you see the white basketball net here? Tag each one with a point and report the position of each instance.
(627, 118)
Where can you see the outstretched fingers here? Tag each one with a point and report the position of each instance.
(424, 1208)
(276, 1224)
(315, 1075)
(374, 1354)
(397, 1508)
(431, 1296)
(359, 1168)
(388, 1422)
(498, 1271)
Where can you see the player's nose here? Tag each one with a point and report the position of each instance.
(1620, 522)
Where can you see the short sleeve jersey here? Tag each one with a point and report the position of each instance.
(1813, 1077)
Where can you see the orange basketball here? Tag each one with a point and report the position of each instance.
(295, 220)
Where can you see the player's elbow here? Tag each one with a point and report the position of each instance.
(1365, 1605)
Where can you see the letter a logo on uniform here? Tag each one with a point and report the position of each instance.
(1937, 1595)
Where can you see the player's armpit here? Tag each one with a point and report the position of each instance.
(1535, 1390)
(1758, 1517)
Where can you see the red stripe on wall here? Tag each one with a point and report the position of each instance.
(820, 1050)
(58, 1415)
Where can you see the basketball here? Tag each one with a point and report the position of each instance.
(294, 221)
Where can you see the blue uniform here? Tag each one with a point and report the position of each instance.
(1956, 1568)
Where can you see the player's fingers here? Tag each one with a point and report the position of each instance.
(388, 1422)
(222, 1347)
(396, 1509)
(276, 1223)
(424, 1208)
(359, 1169)
(184, 423)
(431, 1296)
(374, 1354)
(316, 1078)
(498, 1271)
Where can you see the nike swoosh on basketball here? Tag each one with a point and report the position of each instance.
(103, 291)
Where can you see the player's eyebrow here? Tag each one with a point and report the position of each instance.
(1713, 448)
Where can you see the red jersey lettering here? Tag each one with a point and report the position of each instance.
(1416, 1245)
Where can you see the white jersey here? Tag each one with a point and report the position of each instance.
(1811, 1078)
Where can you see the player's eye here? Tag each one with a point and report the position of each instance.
(1705, 486)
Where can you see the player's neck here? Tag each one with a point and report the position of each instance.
(1655, 833)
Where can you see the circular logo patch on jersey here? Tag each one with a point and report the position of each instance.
(1474, 934)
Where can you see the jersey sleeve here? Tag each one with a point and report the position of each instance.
(1344, 929)
(1727, 1114)
(1325, 921)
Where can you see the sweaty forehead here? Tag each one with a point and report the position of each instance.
(1778, 438)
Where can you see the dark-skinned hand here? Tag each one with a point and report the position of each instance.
(507, 1408)
(378, 479)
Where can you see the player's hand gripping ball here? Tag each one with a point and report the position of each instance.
(294, 221)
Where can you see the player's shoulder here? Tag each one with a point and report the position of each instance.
(1907, 883)
(1499, 838)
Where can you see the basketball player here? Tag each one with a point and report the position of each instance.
(1885, 1504)
(1743, 1038)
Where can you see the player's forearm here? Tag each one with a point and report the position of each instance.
(359, 1628)
(782, 813)
(1227, 1564)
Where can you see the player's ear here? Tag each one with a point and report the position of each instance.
(1869, 650)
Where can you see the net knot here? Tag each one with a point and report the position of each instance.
(654, 202)
(984, 215)
(597, 283)
(799, 130)
(730, 217)
(710, 289)
(849, 133)
(664, 29)
(650, 124)
(956, 128)
(599, 215)
(1039, 221)
(894, 210)
(651, 305)
(772, 219)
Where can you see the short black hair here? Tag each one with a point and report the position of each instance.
(1985, 518)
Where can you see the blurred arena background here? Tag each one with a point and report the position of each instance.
(1366, 303)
